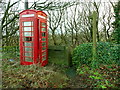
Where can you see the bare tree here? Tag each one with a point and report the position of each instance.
(73, 23)
(56, 19)
(107, 21)
(54, 22)
(9, 17)
(48, 5)
(63, 32)
(2, 8)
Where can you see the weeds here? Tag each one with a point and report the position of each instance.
(104, 77)
(19, 76)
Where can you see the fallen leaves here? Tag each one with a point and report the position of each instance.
(19, 76)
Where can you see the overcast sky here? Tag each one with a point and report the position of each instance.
(21, 5)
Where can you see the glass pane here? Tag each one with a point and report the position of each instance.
(44, 53)
(28, 44)
(28, 49)
(43, 34)
(27, 23)
(28, 59)
(28, 39)
(27, 33)
(43, 48)
(28, 54)
(43, 29)
(43, 24)
(44, 58)
(43, 39)
(43, 44)
(28, 29)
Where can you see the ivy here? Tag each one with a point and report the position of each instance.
(107, 53)
(116, 23)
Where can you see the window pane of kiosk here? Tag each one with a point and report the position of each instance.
(28, 54)
(28, 34)
(43, 24)
(43, 39)
(44, 58)
(43, 34)
(43, 48)
(28, 59)
(44, 53)
(28, 29)
(28, 49)
(28, 39)
(28, 44)
(43, 44)
(27, 23)
(43, 29)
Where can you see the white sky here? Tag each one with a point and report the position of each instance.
(21, 5)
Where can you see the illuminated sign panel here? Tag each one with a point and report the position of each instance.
(41, 16)
(28, 15)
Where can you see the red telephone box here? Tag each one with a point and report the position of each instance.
(33, 37)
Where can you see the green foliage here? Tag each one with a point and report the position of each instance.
(82, 55)
(95, 77)
(99, 78)
(51, 76)
(107, 53)
(10, 51)
(116, 23)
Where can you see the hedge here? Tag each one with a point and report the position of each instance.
(107, 53)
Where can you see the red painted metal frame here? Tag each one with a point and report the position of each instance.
(37, 54)
(43, 63)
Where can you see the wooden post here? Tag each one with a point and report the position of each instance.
(1, 56)
(94, 37)
(0, 36)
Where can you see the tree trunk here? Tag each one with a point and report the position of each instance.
(53, 37)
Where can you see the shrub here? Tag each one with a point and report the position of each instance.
(107, 53)
(10, 51)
